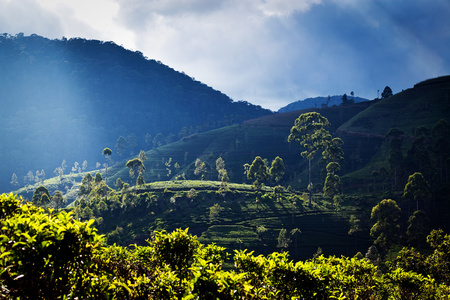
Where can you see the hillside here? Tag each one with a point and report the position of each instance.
(69, 99)
(319, 102)
(423, 105)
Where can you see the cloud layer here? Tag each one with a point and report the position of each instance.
(270, 52)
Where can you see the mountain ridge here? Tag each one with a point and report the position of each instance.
(68, 99)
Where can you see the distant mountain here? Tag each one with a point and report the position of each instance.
(318, 102)
(68, 99)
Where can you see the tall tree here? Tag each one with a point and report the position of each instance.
(14, 181)
(332, 181)
(107, 154)
(258, 171)
(417, 189)
(283, 240)
(418, 229)
(200, 168)
(121, 146)
(395, 155)
(441, 146)
(309, 130)
(277, 169)
(135, 165)
(333, 151)
(386, 227)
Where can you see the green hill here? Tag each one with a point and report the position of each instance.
(423, 105)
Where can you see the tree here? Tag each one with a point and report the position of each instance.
(84, 165)
(140, 179)
(386, 227)
(395, 155)
(346, 101)
(418, 229)
(417, 188)
(295, 233)
(107, 154)
(14, 181)
(200, 168)
(283, 240)
(37, 196)
(309, 130)
(158, 140)
(135, 165)
(214, 212)
(148, 140)
(58, 200)
(119, 184)
(387, 92)
(98, 178)
(258, 171)
(121, 146)
(220, 167)
(132, 143)
(277, 169)
(441, 146)
(332, 181)
(333, 152)
(142, 156)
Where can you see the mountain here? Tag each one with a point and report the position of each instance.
(318, 102)
(68, 99)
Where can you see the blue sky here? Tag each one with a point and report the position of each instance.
(267, 52)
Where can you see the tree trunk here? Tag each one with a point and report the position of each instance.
(309, 185)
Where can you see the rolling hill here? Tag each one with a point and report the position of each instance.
(68, 99)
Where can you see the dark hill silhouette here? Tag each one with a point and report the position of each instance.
(68, 99)
(319, 102)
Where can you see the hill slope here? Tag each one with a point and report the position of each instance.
(69, 99)
(318, 102)
(423, 105)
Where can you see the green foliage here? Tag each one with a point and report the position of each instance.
(277, 169)
(37, 196)
(54, 256)
(43, 256)
(417, 189)
(258, 170)
(309, 130)
(386, 227)
(107, 152)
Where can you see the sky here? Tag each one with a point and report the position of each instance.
(266, 52)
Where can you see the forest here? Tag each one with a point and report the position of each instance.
(341, 201)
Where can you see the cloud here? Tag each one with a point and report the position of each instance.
(268, 52)
(27, 16)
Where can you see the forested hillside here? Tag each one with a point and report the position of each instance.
(68, 99)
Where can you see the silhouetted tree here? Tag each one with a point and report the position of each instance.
(418, 229)
(395, 156)
(387, 92)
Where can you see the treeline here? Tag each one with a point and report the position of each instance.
(50, 255)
